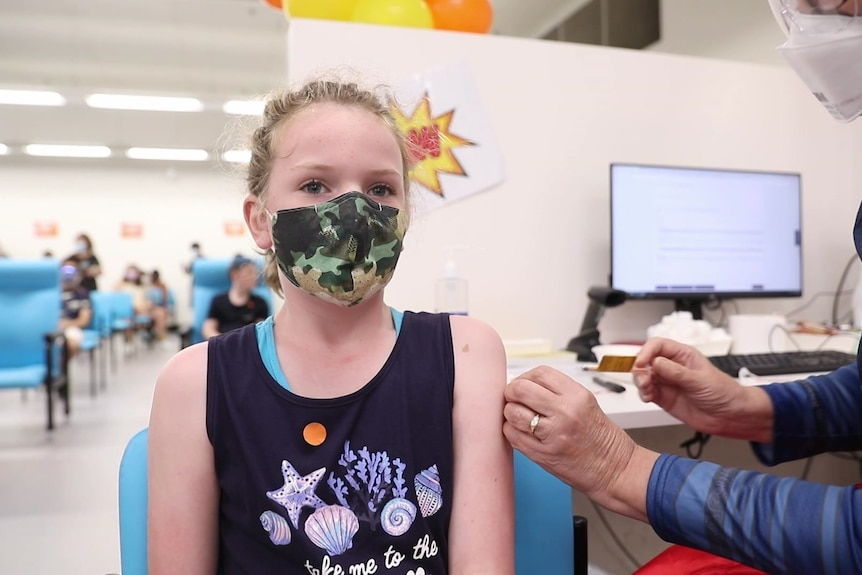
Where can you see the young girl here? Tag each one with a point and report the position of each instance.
(339, 436)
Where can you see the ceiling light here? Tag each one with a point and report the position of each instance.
(67, 151)
(181, 154)
(31, 98)
(237, 156)
(244, 107)
(154, 103)
(4, 149)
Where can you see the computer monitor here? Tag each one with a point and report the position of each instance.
(694, 234)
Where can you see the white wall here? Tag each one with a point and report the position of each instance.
(742, 30)
(561, 114)
(176, 207)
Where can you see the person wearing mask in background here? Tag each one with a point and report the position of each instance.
(133, 283)
(339, 435)
(769, 523)
(76, 308)
(87, 262)
(239, 306)
(196, 255)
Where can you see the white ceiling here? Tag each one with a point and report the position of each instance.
(229, 47)
(211, 49)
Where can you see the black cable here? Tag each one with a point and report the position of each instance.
(614, 535)
(735, 306)
(787, 332)
(713, 307)
(695, 444)
(716, 305)
(807, 469)
(814, 298)
(848, 456)
(840, 287)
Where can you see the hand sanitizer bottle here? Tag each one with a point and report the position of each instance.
(451, 290)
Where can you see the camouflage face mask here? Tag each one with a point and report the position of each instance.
(342, 251)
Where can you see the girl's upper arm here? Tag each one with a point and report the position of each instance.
(182, 523)
(481, 532)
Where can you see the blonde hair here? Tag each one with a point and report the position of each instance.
(283, 105)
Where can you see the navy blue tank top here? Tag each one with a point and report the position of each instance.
(357, 484)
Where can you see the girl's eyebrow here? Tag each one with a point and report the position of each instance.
(312, 166)
(327, 167)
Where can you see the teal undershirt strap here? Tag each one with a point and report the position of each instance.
(266, 345)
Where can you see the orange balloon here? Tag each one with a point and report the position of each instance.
(462, 15)
(274, 4)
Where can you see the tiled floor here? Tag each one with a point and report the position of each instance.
(58, 490)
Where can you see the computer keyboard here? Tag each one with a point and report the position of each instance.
(782, 363)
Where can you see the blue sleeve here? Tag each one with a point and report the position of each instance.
(819, 414)
(776, 524)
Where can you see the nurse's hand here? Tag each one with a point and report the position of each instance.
(684, 383)
(557, 423)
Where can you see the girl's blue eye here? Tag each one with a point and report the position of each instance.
(380, 190)
(313, 187)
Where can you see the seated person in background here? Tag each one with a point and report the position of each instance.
(158, 305)
(239, 306)
(133, 283)
(76, 311)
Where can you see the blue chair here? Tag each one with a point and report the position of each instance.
(545, 533)
(210, 277)
(123, 320)
(33, 351)
(133, 506)
(97, 335)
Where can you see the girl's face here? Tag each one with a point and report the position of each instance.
(330, 149)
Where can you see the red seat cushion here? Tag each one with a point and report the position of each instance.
(679, 560)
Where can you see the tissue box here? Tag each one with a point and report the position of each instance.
(682, 327)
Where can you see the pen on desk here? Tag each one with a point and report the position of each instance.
(609, 385)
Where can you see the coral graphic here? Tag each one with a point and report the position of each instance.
(369, 479)
(298, 491)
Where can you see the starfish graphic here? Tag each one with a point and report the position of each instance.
(298, 491)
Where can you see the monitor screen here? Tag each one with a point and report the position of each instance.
(692, 234)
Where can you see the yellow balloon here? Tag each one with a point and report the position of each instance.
(321, 9)
(410, 13)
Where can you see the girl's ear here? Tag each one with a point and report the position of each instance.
(258, 222)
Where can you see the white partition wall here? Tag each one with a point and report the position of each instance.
(562, 113)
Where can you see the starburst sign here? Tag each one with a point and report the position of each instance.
(430, 145)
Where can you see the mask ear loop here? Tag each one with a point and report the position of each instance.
(781, 14)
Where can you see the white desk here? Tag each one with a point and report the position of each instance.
(625, 409)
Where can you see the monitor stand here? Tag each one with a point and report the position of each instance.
(695, 306)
